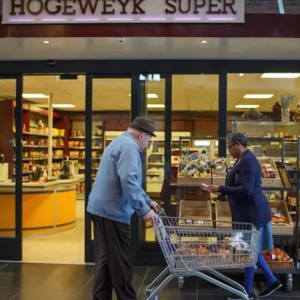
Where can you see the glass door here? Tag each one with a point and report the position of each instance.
(108, 109)
(11, 168)
(153, 98)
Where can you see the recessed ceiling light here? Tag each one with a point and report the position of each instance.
(280, 75)
(63, 105)
(152, 96)
(149, 96)
(46, 42)
(202, 143)
(258, 96)
(241, 74)
(34, 96)
(155, 105)
(247, 106)
(204, 42)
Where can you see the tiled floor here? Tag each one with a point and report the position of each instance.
(62, 247)
(74, 282)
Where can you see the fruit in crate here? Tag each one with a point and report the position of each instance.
(268, 171)
(278, 217)
(276, 255)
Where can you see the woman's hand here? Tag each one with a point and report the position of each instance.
(204, 187)
(213, 188)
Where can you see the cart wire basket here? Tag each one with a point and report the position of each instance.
(192, 246)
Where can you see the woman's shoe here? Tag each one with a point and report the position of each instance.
(271, 289)
(235, 297)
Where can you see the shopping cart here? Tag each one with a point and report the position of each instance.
(191, 246)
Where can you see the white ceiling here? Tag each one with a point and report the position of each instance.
(190, 92)
(149, 48)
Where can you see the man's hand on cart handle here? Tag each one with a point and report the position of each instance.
(154, 205)
(150, 216)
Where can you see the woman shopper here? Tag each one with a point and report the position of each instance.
(249, 204)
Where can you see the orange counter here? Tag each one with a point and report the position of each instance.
(47, 207)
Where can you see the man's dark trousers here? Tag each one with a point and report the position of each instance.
(113, 268)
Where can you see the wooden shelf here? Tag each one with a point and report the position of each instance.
(35, 134)
(83, 148)
(82, 138)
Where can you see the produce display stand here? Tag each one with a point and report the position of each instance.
(285, 238)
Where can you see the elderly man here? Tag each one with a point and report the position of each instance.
(116, 195)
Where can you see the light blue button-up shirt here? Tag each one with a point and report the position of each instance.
(117, 192)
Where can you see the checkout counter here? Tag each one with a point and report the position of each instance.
(47, 207)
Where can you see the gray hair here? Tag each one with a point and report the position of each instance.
(238, 137)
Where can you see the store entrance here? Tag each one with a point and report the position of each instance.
(10, 151)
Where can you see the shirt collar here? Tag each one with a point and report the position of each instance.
(127, 133)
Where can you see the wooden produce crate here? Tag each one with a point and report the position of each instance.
(270, 182)
(195, 181)
(196, 196)
(191, 212)
(283, 230)
(281, 265)
(223, 214)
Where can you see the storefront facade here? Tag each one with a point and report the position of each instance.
(141, 74)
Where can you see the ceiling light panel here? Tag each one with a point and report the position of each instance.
(280, 75)
(258, 96)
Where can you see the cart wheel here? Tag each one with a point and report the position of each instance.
(289, 283)
(180, 283)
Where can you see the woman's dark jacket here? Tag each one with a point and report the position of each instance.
(244, 190)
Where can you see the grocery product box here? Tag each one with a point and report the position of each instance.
(195, 213)
(281, 219)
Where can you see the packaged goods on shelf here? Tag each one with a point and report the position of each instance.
(270, 174)
(281, 220)
(196, 213)
(219, 167)
(196, 168)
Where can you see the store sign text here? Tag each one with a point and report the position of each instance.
(123, 11)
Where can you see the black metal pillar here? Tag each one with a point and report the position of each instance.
(222, 113)
(168, 144)
(18, 187)
(89, 251)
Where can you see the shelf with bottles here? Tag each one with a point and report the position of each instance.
(290, 131)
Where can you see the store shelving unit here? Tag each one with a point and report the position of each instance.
(288, 241)
(290, 131)
(35, 153)
(76, 146)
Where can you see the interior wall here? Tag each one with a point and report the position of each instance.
(196, 124)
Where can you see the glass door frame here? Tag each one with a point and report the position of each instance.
(11, 248)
